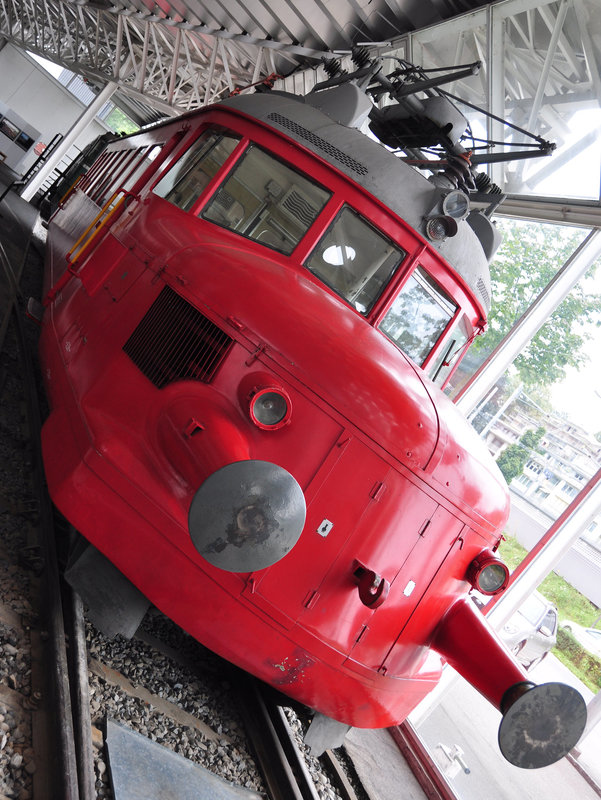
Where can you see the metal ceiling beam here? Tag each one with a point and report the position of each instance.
(159, 58)
(198, 28)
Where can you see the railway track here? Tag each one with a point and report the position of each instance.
(61, 681)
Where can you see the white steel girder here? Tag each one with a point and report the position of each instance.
(171, 64)
(534, 64)
(541, 66)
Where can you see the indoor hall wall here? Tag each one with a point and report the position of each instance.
(41, 100)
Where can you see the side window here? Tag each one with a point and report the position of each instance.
(93, 172)
(355, 260)
(121, 170)
(188, 178)
(418, 316)
(141, 165)
(267, 201)
(550, 621)
(453, 348)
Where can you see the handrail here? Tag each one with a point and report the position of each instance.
(97, 224)
(70, 190)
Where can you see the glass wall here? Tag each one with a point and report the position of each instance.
(540, 71)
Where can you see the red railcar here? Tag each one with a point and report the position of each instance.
(251, 312)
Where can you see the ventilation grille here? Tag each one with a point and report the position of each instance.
(225, 199)
(175, 342)
(299, 207)
(318, 142)
(483, 292)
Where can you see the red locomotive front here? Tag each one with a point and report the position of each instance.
(244, 355)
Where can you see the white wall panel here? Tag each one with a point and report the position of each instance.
(39, 99)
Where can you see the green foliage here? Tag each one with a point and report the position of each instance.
(531, 438)
(119, 122)
(511, 461)
(528, 259)
(570, 602)
(585, 665)
(512, 552)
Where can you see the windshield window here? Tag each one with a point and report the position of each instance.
(355, 259)
(190, 176)
(550, 621)
(266, 201)
(418, 316)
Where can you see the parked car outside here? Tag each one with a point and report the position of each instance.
(532, 630)
(589, 638)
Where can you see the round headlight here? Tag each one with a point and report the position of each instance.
(488, 574)
(456, 204)
(270, 408)
(440, 228)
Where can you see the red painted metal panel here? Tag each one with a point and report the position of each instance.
(150, 397)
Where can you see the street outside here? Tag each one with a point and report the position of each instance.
(465, 719)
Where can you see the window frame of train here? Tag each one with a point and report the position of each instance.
(185, 167)
(445, 349)
(152, 152)
(280, 216)
(102, 186)
(214, 201)
(125, 166)
(102, 175)
(129, 170)
(95, 169)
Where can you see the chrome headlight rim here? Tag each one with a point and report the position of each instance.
(280, 410)
(488, 574)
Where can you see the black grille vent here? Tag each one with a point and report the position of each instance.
(317, 141)
(175, 342)
(484, 292)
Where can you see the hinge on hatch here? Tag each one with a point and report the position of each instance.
(159, 272)
(255, 354)
(377, 490)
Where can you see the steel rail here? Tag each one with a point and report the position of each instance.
(338, 775)
(281, 763)
(80, 696)
(76, 770)
(278, 755)
(63, 723)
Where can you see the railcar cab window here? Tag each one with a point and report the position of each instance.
(191, 175)
(355, 260)
(266, 201)
(419, 316)
(454, 346)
